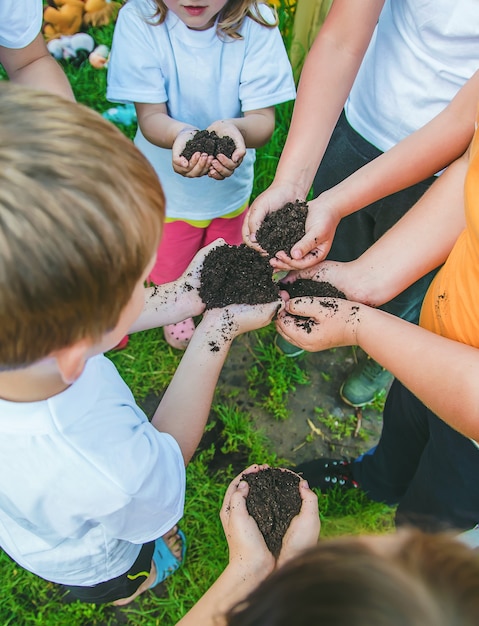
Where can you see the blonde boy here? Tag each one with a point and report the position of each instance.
(88, 486)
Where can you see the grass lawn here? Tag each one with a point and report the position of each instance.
(148, 365)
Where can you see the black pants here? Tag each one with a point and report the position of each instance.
(347, 152)
(120, 587)
(423, 465)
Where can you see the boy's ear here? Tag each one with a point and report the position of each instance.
(71, 360)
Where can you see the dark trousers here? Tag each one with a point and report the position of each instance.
(423, 465)
(347, 152)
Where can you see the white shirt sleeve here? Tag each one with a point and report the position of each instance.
(266, 78)
(20, 22)
(134, 73)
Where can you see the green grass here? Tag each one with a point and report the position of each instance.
(147, 366)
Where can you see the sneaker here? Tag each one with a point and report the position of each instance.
(327, 474)
(364, 382)
(288, 349)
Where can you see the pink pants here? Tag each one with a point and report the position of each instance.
(181, 241)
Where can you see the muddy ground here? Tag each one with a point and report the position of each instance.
(293, 438)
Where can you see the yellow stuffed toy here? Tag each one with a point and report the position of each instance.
(63, 17)
(100, 12)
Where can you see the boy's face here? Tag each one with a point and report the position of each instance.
(129, 315)
(196, 14)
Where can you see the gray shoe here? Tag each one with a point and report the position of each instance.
(288, 349)
(365, 381)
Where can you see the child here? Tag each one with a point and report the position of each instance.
(220, 67)
(427, 458)
(88, 485)
(23, 52)
(363, 68)
(406, 578)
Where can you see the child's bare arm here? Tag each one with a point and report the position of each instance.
(256, 127)
(422, 154)
(441, 372)
(419, 242)
(185, 407)
(33, 66)
(326, 80)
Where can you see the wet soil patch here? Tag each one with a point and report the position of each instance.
(308, 287)
(209, 143)
(236, 275)
(283, 228)
(273, 500)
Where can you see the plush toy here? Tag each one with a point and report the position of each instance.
(99, 57)
(63, 17)
(70, 47)
(122, 114)
(100, 12)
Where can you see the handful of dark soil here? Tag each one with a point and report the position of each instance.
(273, 500)
(210, 143)
(236, 275)
(307, 287)
(283, 228)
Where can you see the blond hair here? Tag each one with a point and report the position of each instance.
(231, 16)
(81, 213)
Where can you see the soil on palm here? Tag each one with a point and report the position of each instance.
(273, 500)
(283, 228)
(236, 275)
(308, 287)
(210, 143)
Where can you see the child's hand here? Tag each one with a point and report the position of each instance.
(198, 165)
(227, 323)
(272, 199)
(188, 283)
(321, 225)
(221, 166)
(247, 548)
(303, 531)
(319, 323)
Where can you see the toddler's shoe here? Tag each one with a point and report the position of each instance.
(179, 335)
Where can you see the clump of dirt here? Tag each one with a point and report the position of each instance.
(273, 500)
(210, 143)
(308, 287)
(236, 275)
(283, 228)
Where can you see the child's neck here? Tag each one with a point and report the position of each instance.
(31, 384)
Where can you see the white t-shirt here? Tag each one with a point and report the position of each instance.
(20, 22)
(421, 53)
(85, 480)
(202, 78)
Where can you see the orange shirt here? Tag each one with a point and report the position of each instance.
(451, 305)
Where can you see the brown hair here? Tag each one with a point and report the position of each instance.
(430, 580)
(231, 17)
(81, 213)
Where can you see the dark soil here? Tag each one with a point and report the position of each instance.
(283, 228)
(236, 275)
(307, 287)
(273, 500)
(209, 143)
